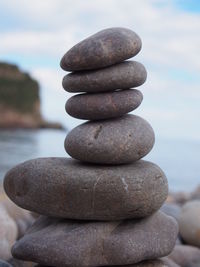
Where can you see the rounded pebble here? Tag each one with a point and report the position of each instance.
(103, 105)
(66, 188)
(117, 141)
(125, 75)
(102, 49)
(114, 243)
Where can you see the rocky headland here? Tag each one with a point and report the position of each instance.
(20, 100)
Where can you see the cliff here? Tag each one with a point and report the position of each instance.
(20, 100)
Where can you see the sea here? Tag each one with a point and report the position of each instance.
(179, 159)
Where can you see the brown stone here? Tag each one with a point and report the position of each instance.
(122, 76)
(115, 141)
(102, 49)
(62, 187)
(69, 243)
(103, 105)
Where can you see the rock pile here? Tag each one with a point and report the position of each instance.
(100, 208)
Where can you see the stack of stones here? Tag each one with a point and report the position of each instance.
(100, 208)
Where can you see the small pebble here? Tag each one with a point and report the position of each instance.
(105, 48)
(103, 105)
(125, 75)
(115, 141)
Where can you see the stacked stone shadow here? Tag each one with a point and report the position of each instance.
(101, 207)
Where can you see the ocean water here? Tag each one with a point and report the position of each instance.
(179, 159)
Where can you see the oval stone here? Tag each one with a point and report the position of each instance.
(61, 242)
(189, 223)
(61, 187)
(103, 105)
(102, 49)
(116, 141)
(125, 75)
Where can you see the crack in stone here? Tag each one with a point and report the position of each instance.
(125, 184)
(93, 193)
(97, 132)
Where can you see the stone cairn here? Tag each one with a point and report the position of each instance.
(100, 208)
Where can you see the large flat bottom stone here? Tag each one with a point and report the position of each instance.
(59, 242)
(62, 187)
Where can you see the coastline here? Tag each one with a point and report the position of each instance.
(11, 120)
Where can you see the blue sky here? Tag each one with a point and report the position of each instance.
(35, 35)
(189, 6)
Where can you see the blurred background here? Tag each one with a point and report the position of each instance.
(34, 36)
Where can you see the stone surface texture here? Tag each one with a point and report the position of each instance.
(61, 187)
(124, 75)
(74, 243)
(103, 105)
(102, 49)
(118, 141)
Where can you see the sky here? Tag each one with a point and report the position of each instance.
(36, 34)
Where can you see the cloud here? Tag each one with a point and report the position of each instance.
(53, 96)
(170, 113)
(47, 29)
(169, 35)
(36, 43)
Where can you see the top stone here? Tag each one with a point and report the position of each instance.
(102, 49)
